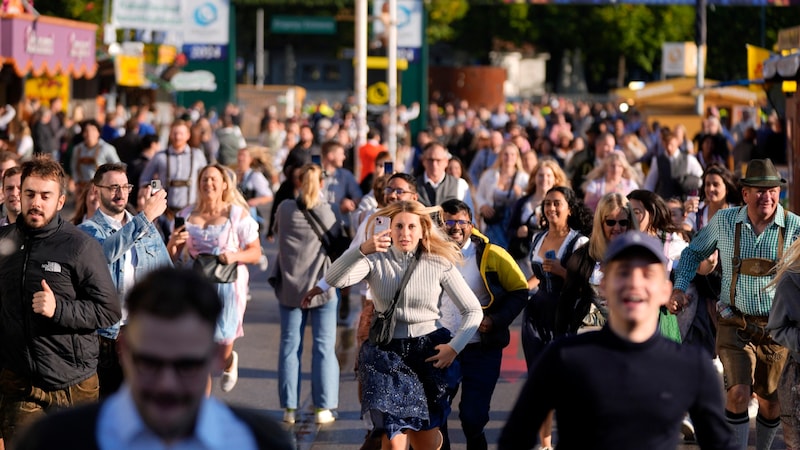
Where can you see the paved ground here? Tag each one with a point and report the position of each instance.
(257, 386)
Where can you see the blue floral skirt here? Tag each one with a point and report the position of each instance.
(400, 390)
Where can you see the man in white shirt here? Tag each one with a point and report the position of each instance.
(168, 352)
(674, 174)
(436, 186)
(502, 290)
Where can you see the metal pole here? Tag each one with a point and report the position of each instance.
(361, 79)
(260, 47)
(700, 24)
(391, 77)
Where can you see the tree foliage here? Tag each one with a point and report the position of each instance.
(83, 10)
(441, 15)
(606, 34)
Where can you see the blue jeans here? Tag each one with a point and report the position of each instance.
(324, 364)
(480, 369)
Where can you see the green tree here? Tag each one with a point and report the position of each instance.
(441, 15)
(83, 10)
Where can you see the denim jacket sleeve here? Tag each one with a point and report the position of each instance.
(116, 244)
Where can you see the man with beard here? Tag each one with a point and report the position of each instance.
(177, 167)
(502, 289)
(167, 351)
(132, 246)
(751, 240)
(56, 293)
(11, 193)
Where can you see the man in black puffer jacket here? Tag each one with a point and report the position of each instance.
(56, 292)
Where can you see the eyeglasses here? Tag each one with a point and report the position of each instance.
(117, 188)
(150, 366)
(453, 223)
(396, 191)
(623, 223)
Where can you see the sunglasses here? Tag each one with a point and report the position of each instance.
(623, 223)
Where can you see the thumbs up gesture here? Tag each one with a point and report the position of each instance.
(44, 302)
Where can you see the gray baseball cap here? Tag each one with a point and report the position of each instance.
(642, 242)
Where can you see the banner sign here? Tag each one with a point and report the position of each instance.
(196, 21)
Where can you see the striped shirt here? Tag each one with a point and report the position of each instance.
(417, 309)
(751, 295)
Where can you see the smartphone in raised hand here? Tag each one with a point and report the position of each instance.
(382, 223)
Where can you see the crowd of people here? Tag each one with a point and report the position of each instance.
(572, 215)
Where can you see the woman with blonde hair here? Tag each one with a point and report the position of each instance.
(580, 303)
(301, 262)
(614, 174)
(405, 380)
(498, 189)
(526, 214)
(219, 225)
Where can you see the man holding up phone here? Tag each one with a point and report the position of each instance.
(132, 246)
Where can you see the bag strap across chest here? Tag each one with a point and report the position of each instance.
(757, 267)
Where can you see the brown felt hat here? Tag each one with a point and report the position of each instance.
(762, 173)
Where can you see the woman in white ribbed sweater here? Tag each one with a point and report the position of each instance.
(405, 381)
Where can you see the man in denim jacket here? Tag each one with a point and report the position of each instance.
(132, 246)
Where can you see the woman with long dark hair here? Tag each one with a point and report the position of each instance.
(566, 223)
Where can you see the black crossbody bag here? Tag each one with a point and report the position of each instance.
(381, 329)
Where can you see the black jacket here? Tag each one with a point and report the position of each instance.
(578, 294)
(61, 351)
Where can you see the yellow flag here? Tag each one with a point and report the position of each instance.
(755, 63)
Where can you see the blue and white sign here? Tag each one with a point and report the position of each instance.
(205, 52)
(409, 21)
(194, 21)
(206, 21)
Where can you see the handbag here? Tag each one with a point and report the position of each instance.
(520, 247)
(381, 329)
(334, 246)
(213, 270)
(500, 208)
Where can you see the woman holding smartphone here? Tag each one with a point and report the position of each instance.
(220, 224)
(405, 381)
(566, 223)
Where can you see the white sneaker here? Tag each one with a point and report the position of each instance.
(289, 415)
(230, 377)
(717, 365)
(687, 429)
(263, 263)
(752, 407)
(323, 416)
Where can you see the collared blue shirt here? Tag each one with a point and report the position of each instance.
(138, 234)
(119, 426)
